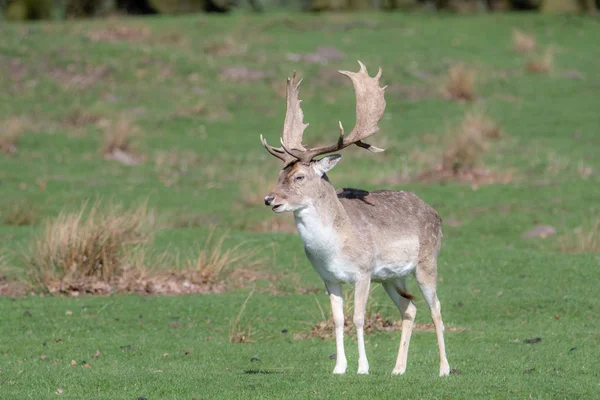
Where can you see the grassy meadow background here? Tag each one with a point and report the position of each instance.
(163, 115)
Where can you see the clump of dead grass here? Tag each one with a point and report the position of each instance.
(87, 244)
(118, 142)
(460, 83)
(105, 250)
(523, 42)
(236, 333)
(20, 213)
(10, 131)
(468, 142)
(464, 148)
(542, 63)
(583, 239)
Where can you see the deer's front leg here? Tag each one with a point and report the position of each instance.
(361, 295)
(337, 310)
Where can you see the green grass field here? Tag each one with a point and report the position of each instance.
(197, 114)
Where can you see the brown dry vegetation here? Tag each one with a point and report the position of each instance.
(117, 144)
(461, 157)
(583, 239)
(20, 213)
(88, 244)
(236, 333)
(103, 250)
(542, 63)
(523, 42)
(463, 150)
(460, 83)
(10, 131)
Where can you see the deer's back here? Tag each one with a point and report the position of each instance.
(384, 216)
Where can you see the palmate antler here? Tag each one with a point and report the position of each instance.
(370, 105)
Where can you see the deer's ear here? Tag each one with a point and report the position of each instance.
(326, 164)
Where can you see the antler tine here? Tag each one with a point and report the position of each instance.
(370, 105)
(277, 151)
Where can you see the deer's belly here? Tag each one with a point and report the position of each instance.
(388, 271)
(337, 271)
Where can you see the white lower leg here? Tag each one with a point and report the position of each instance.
(337, 310)
(361, 295)
(439, 330)
(407, 327)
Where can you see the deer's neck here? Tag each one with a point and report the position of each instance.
(323, 225)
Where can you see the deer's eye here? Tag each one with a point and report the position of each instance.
(299, 178)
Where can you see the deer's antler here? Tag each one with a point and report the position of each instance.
(293, 127)
(370, 105)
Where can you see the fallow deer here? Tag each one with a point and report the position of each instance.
(355, 236)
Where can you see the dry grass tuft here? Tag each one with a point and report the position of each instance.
(583, 239)
(118, 142)
(523, 42)
(20, 213)
(86, 245)
(460, 83)
(462, 154)
(236, 335)
(10, 131)
(468, 142)
(214, 261)
(541, 64)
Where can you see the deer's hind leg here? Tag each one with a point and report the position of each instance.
(408, 311)
(426, 275)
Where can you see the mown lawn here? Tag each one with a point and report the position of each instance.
(197, 91)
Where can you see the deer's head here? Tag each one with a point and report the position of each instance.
(303, 178)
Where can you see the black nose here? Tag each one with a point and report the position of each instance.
(269, 200)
